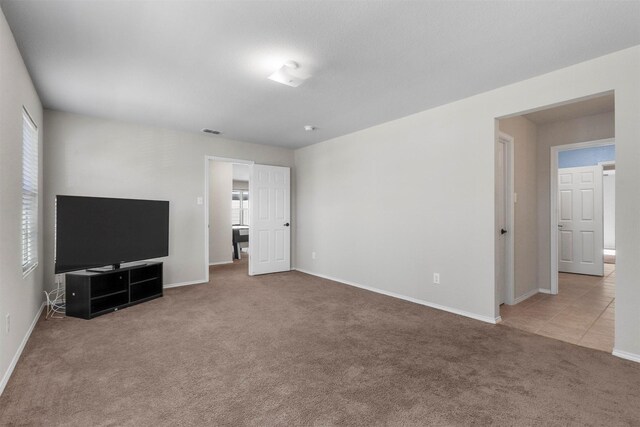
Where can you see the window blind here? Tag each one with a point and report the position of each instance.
(239, 207)
(29, 193)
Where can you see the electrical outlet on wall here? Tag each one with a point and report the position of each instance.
(436, 278)
(313, 255)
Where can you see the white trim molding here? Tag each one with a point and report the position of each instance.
(525, 296)
(16, 357)
(230, 160)
(486, 319)
(221, 263)
(626, 355)
(544, 291)
(177, 285)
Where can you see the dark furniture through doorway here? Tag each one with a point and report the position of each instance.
(240, 235)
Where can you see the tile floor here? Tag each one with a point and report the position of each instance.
(582, 313)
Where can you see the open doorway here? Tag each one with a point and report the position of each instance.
(228, 216)
(578, 206)
(240, 213)
(251, 223)
(562, 287)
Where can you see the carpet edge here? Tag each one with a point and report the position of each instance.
(16, 356)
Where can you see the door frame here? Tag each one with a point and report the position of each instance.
(611, 171)
(207, 172)
(509, 281)
(553, 195)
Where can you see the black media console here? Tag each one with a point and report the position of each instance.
(90, 294)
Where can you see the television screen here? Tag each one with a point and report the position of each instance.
(95, 231)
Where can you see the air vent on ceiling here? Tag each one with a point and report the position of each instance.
(215, 132)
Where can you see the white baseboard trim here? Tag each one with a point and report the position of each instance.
(526, 296)
(221, 263)
(626, 355)
(544, 291)
(177, 285)
(16, 357)
(475, 316)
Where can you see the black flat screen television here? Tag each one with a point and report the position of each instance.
(96, 231)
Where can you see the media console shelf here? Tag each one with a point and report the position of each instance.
(90, 294)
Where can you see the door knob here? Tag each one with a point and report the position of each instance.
(503, 231)
(560, 226)
(286, 224)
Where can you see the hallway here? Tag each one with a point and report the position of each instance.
(582, 313)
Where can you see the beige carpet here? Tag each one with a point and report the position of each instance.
(292, 349)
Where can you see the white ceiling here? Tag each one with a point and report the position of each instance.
(190, 65)
(573, 110)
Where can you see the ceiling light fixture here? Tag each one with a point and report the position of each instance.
(309, 128)
(289, 74)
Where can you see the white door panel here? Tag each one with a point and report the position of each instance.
(580, 222)
(588, 241)
(566, 205)
(588, 202)
(566, 246)
(270, 236)
(504, 264)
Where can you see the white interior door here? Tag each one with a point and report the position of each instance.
(270, 229)
(580, 220)
(501, 219)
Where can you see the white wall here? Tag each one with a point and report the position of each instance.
(96, 157)
(525, 141)
(220, 186)
(359, 210)
(20, 297)
(609, 211)
(582, 129)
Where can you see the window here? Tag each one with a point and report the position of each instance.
(29, 193)
(240, 207)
